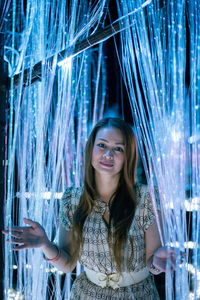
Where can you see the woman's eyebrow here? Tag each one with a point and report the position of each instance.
(118, 143)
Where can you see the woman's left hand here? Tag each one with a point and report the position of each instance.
(166, 258)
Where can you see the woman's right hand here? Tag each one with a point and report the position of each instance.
(33, 236)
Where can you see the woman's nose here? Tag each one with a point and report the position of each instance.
(108, 154)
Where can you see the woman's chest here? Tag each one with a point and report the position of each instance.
(96, 251)
(96, 231)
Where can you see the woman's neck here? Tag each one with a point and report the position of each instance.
(106, 186)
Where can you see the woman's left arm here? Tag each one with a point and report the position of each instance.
(159, 259)
(152, 243)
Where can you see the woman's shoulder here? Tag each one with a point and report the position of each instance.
(144, 196)
(68, 205)
(72, 194)
(145, 212)
(141, 190)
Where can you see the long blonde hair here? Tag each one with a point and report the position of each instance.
(123, 203)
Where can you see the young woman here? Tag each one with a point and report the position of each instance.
(108, 224)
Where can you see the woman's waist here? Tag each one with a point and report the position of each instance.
(116, 280)
(107, 265)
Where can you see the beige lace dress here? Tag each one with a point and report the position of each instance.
(96, 255)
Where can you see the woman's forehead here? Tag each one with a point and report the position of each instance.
(110, 134)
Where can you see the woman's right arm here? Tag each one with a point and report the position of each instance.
(66, 246)
(34, 236)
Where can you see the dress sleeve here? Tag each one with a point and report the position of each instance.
(68, 205)
(146, 211)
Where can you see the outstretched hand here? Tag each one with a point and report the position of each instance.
(33, 236)
(166, 259)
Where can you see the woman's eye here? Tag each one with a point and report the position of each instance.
(119, 149)
(101, 145)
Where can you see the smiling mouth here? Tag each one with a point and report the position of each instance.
(106, 164)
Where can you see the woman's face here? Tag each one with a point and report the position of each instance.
(108, 151)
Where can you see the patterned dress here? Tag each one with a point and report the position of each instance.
(96, 255)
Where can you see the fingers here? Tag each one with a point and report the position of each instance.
(166, 259)
(183, 255)
(16, 248)
(12, 232)
(20, 228)
(14, 236)
(177, 257)
(14, 241)
(176, 252)
(171, 265)
(164, 267)
(168, 264)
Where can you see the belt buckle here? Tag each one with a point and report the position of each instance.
(111, 280)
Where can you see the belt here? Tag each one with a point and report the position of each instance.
(116, 280)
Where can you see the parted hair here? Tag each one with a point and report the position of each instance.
(123, 201)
